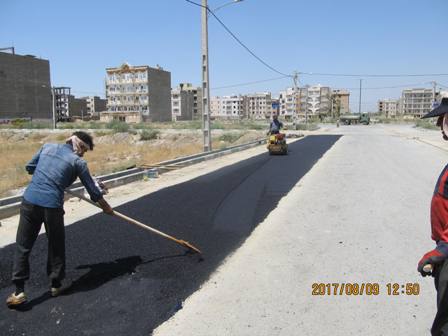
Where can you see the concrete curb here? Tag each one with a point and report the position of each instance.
(10, 206)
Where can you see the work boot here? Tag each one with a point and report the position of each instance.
(15, 300)
(55, 291)
(56, 288)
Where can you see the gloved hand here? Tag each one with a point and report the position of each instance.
(436, 256)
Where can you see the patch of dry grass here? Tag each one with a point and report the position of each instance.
(12, 165)
(16, 150)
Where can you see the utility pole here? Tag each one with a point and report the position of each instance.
(296, 108)
(434, 84)
(360, 95)
(205, 81)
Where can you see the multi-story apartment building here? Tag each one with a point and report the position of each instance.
(138, 93)
(196, 91)
(182, 104)
(307, 101)
(390, 108)
(289, 103)
(95, 105)
(25, 89)
(227, 107)
(416, 102)
(62, 99)
(340, 102)
(67, 106)
(258, 105)
(315, 101)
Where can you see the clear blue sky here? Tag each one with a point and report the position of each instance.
(81, 38)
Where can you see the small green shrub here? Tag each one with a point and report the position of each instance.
(101, 133)
(426, 124)
(142, 126)
(66, 125)
(306, 127)
(118, 126)
(230, 137)
(146, 135)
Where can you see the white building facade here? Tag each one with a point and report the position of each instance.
(416, 102)
(288, 103)
(390, 108)
(258, 105)
(227, 107)
(315, 101)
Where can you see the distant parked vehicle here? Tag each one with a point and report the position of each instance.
(349, 119)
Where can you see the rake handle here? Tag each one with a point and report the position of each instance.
(136, 222)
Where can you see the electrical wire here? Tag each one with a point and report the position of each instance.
(386, 87)
(249, 83)
(371, 75)
(239, 41)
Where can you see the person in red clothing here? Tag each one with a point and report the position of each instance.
(438, 257)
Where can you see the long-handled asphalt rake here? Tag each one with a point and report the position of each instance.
(135, 222)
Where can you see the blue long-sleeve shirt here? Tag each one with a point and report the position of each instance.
(55, 167)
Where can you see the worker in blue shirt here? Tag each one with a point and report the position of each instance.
(54, 168)
(275, 126)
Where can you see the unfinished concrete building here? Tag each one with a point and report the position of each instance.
(416, 102)
(340, 102)
(137, 94)
(62, 103)
(196, 91)
(390, 108)
(182, 104)
(25, 87)
(95, 105)
(78, 108)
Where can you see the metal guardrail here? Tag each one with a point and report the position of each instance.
(9, 206)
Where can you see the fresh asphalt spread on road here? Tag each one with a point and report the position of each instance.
(125, 280)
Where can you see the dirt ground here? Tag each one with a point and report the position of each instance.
(113, 151)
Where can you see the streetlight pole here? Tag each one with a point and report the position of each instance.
(205, 80)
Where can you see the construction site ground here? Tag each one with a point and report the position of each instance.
(360, 215)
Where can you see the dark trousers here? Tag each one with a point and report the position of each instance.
(31, 219)
(440, 325)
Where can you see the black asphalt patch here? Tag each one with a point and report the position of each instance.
(123, 280)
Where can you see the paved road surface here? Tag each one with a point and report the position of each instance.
(361, 215)
(126, 281)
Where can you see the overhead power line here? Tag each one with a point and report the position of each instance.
(250, 83)
(371, 75)
(240, 42)
(310, 73)
(387, 87)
